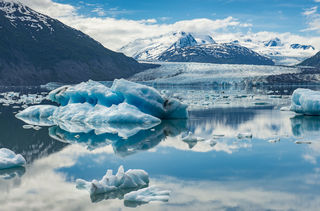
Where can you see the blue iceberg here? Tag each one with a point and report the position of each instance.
(9, 159)
(305, 101)
(124, 109)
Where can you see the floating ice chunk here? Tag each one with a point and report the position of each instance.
(303, 142)
(244, 135)
(27, 126)
(274, 140)
(91, 92)
(9, 159)
(133, 178)
(147, 195)
(285, 108)
(149, 100)
(37, 115)
(216, 136)
(305, 101)
(213, 143)
(123, 119)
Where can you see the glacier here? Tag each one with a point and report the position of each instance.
(147, 195)
(305, 101)
(9, 159)
(133, 178)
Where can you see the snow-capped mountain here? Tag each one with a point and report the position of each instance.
(188, 47)
(273, 42)
(281, 51)
(36, 49)
(151, 48)
(303, 47)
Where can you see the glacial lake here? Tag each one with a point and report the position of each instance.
(221, 172)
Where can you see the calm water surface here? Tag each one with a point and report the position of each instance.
(225, 173)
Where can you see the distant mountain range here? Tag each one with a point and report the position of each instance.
(187, 47)
(36, 49)
(205, 48)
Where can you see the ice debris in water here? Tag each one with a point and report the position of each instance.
(244, 135)
(274, 140)
(147, 195)
(8, 159)
(285, 108)
(133, 178)
(303, 142)
(305, 101)
(9, 98)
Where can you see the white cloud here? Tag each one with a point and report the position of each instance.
(310, 11)
(113, 33)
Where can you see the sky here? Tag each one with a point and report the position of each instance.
(114, 23)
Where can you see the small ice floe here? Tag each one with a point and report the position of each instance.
(274, 140)
(27, 126)
(305, 101)
(285, 108)
(303, 142)
(244, 136)
(8, 159)
(213, 143)
(36, 127)
(133, 178)
(216, 136)
(146, 195)
(15, 107)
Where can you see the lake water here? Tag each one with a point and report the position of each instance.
(219, 173)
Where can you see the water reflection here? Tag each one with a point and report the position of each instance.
(141, 141)
(305, 125)
(11, 173)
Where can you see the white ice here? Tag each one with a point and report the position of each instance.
(148, 194)
(9, 159)
(305, 101)
(133, 178)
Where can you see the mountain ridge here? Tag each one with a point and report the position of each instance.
(36, 49)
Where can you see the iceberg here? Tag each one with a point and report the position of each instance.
(8, 159)
(124, 109)
(133, 178)
(305, 101)
(146, 195)
(145, 98)
(91, 92)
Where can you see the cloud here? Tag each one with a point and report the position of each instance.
(113, 32)
(313, 19)
(310, 11)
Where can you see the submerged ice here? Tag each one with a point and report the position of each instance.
(133, 178)
(91, 106)
(305, 101)
(9, 159)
